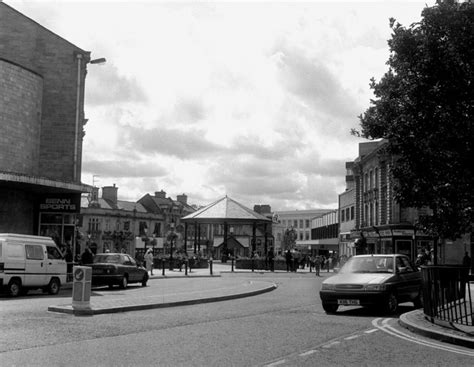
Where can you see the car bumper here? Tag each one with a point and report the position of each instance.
(106, 279)
(363, 298)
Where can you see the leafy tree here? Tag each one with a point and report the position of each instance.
(424, 107)
(289, 238)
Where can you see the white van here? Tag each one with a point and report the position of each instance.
(30, 262)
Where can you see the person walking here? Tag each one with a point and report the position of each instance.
(317, 265)
(149, 260)
(288, 258)
(87, 257)
(271, 256)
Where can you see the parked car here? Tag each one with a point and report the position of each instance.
(373, 280)
(117, 269)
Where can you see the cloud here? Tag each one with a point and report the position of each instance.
(107, 86)
(190, 144)
(123, 168)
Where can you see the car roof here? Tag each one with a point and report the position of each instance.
(379, 255)
(110, 253)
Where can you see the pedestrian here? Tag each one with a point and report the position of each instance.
(317, 265)
(149, 260)
(329, 262)
(87, 257)
(271, 256)
(288, 259)
(466, 260)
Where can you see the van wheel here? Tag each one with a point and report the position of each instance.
(54, 286)
(124, 282)
(14, 287)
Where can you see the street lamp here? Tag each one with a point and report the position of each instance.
(172, 237)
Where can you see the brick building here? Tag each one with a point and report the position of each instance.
(42, 115)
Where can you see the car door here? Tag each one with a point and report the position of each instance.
(132, 269)
(35, 267)
(55, 265)
(408, 278)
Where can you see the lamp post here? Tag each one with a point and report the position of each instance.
(172, 238)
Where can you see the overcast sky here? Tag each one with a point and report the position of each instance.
(254, 100)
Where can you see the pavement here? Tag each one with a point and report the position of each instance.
(174, 291)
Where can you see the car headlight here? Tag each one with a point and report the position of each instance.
(328, 287)
(375, 287)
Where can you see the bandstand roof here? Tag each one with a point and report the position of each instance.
(225, 210)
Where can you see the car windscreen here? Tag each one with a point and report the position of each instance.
(372, 264)
(112, 259)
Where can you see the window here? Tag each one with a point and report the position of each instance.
(34, 252)
(126, 226)
(347, 213)
(371, 178)
(295, 223)
(352, 213)
(307, 223)
(306, 235)
(376, 178)
(301, 236)
(301, 223)
(53, 253)
(342, 215)
(15, 251)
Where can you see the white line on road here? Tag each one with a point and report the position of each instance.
(276, 363)
(351, 337)
(309, 352)
(331, 344)
(399, 334)
(370, 331)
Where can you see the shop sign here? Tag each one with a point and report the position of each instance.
(403, 232)
(385, 233)
(60, 203)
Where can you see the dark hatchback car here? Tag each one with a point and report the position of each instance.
(381, 281)
(117, 269)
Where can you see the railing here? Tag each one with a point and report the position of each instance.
(447, 295)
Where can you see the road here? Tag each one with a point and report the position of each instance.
(285, 327)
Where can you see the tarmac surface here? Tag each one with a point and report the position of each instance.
(174, 292)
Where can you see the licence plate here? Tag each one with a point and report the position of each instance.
(348, 302)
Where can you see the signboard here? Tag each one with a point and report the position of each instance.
(403, 232)
(60, 203)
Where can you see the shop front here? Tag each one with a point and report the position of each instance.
(57, 218)
(404, 240)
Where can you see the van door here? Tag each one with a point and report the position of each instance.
(55, 265)
(35, 266)
(14, 261)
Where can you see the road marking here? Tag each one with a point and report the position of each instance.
(387, 328)
(309, 352)
(371, 331)
(331, 344)
(351, 337)
(276, 363)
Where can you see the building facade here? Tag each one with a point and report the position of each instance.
(347, 203)
(110, 224)
(300, 221)
(42, 79)
(325, 234)
(383, 225)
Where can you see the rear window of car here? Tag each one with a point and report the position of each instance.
(111, 259)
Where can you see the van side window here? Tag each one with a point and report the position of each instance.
(14, 250)
(34, 252)
(53, 253)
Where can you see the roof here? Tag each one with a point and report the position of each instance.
(225, 209)
(121, 205)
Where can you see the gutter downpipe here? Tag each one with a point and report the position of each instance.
(78, 102)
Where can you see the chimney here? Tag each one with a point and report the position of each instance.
(110, 193)
(183, 199)
(160, 194)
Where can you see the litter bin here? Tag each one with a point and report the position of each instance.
(81, 289)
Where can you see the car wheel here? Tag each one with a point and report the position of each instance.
(418, 301)
(124, 282)
(14, 288)
(391, 305)
(144, 280)
(330, 308)
(54, 286)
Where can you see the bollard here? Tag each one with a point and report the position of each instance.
(186, 267)
(232, 264)
(210, 265)
(163, 267)
(81, 290)
(252, 265)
